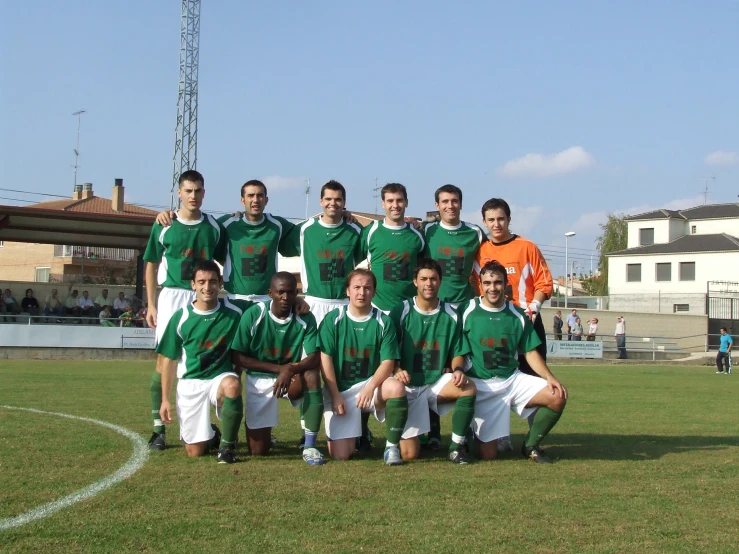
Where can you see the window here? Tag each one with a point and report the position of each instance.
(663, 272)
(692, 229)
(687, 271)
(2, 244)
(633, 273)
(680, 308)
(43, 274)
(646, 237)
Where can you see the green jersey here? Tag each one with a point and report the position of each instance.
(264, 336)
(455, 249)
(357, 346)
(495, 337)
(251, 253)
(178, 247)
(392, 253)
(328, 253)
(200, 340)
(427, 340)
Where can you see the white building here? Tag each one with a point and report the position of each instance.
(671, 257)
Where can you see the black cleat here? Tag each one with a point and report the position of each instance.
(460, 457)
(434, 444)
(157, 441)
(535, 454)
(226, 456)
(364, 443)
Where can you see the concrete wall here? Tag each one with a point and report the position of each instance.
(714, 226)
(680, 329)
(661, 231)
(19, 260)
(659, 302)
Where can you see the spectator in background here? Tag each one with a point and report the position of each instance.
(593, 328)
(71, 304)
(141, 315)
(621, 337)
(558, 323)
(576, 330)
(724, 352)
(11, 306)
(571, 320)
(120, 304)
(87, 308)
(54, 306)
(29, 304)
(135, 304)
(127, 317)
(105, 317)
(101, 301)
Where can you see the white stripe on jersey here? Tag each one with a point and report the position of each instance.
(303, 271)
(279, 226)
(373, 227)
(526, 271)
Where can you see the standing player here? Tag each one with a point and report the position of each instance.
(529, 279)
(358, 354)
(279, 351)
(392, 248)
(497, 331)
(430, 336)
(171, 254)
(195, 345)
(454, 244)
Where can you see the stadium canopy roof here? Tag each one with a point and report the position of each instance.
(59, 226)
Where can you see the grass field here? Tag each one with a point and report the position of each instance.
(647, 461)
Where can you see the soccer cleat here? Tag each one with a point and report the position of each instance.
(364, 443)
(312, 456)
(157, 441)
(505, 445)
(434, 444)
(215, 442)
(719, 372)
(226, 456)
(460, 457)
(272, 439)
(535, 454)
(392, 456)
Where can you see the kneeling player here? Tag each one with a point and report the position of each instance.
(195, 344)
(358, 354)
(429, 334)
(497, 331)
(279, 351)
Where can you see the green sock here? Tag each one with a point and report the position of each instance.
(396, 414)
(232, 412)
(544, 420)
(313, 409)
(464, 411)
(155, 390)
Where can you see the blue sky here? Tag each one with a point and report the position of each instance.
(568, 110)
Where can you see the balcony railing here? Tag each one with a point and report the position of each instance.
(94, 253)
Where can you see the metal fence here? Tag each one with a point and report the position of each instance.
(94, 253)
(26, 319)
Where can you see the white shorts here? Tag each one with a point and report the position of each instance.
(194, 399)
(349, 425)
(249, 297)
(319, 307)
(497, 397)
(261, 404)
(420, 400)
(170, 300)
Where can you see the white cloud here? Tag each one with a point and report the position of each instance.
(570, 160)
(276, 182)
(722, 158)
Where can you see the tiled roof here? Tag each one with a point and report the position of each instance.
(686, 244)
(93, 205)
(709, 211)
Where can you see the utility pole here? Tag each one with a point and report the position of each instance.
(376, 194)
(186, 129)
(78, 114)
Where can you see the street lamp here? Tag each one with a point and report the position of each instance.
(567, 238)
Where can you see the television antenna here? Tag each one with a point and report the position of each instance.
(78, 115)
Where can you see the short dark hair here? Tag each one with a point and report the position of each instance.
(496, 268)
(427, 263)
(283, 276)
(451, 189)
(192, 176)
(363, 273)
(394, 188)
(722, 328)
(335, 186)
(495, 204)
(29, 290)
(208, 266)
(253, 183)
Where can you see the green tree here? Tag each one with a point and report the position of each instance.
(613, 238)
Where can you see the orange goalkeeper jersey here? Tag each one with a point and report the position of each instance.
(527, 269)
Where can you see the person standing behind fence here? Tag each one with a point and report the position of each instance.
(621, 337)
(724, 352)
(558, 324)
(592, 329)
(571, 320)
(576, 330)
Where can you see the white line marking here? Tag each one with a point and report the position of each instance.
(134, 463)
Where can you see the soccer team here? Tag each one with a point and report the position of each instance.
(442, 320)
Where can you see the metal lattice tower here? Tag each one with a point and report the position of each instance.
(186, 131)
